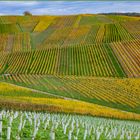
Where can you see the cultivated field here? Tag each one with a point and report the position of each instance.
(80, 64)
(32, 125)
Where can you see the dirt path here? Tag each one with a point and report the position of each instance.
(39, 91)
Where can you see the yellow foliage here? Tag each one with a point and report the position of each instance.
(80, 107)
(41, 26)
(64, 105)
(5, 87)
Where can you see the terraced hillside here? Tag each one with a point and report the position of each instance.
(89, 58)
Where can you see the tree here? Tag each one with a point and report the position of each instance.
(27, 13)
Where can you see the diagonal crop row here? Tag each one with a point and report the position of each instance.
(129, 56)
(112, 92)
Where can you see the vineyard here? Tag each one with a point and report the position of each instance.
(81, 45)
(118, 92)
(48, 126)
(60, 74)
(34, 100)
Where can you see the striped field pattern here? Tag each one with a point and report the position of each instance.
(89, 58)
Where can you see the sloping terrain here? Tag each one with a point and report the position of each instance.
(28, 99)
(112, 92)
(90, 58)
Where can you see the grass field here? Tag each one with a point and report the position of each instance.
(65, 63)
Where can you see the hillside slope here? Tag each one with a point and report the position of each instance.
(28, 99)
(90, 58)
